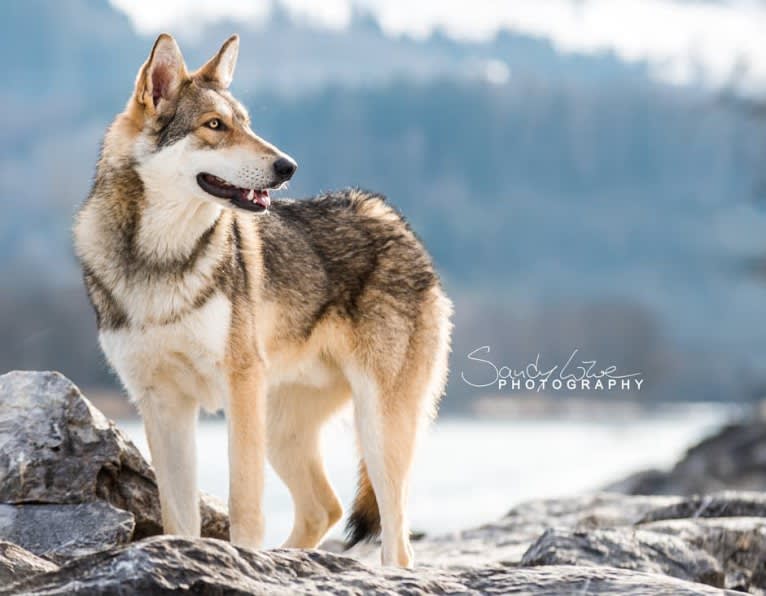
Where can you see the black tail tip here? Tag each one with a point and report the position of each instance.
(361, 528)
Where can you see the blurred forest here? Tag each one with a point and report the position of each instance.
(573, 202)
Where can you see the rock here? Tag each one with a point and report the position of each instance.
(56, 447)
(165, 564)
(644, 482)
(626, 548)
(17, 564)
(63, 532)
(79, 493)
(727, 552)
(507, 539)
(722, 504)
(733, 458)
(727, 529)
(214, 517)
(720, 551)
(738, 544)
(599, 510)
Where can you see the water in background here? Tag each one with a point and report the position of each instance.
(470, 472)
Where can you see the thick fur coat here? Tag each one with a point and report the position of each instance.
(210, 295)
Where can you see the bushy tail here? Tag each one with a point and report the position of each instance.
(364, 522)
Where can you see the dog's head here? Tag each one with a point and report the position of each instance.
(196, 138)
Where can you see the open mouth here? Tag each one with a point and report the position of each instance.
(251, 199)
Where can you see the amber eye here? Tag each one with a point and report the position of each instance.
(214, 124)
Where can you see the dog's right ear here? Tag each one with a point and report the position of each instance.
(161, 75)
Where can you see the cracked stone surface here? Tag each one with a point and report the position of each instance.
(18, 564)
(163, 565)
(57, 448)
(82, 503)
(63, 532)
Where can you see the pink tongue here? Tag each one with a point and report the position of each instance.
(263, 198)
(259, 196)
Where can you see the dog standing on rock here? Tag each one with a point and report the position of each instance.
(209, 294)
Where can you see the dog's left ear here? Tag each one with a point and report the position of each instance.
(219, 70)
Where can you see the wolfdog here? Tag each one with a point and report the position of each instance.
(209, 294)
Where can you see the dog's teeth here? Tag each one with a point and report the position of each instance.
(250, 195)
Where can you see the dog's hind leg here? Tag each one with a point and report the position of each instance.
(396, 383)
(170, 422)
(387, 418)
(295, 417)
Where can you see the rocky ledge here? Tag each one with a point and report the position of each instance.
(80, 514)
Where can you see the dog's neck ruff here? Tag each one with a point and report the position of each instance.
(171, 225)
(172, 219)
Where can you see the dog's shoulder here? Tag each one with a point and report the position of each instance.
(331, 251)
(349, 228)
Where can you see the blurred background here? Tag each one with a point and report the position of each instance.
(588, 175)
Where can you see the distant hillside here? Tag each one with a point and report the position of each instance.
(578, 186)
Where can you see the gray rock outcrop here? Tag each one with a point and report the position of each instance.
(57, 448)
(164, 565)
(63, 532)
(639, 550)
(733, 458)
(17, 564)
(81, 507)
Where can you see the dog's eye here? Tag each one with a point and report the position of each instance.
(215, 124)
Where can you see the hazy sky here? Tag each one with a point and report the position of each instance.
(683, 40)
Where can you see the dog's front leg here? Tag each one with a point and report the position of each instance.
(170, 421)
(246, 423)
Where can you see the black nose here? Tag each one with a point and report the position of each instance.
(284, 168)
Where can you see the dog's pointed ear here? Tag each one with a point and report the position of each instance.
(161, 75)
(219, 70)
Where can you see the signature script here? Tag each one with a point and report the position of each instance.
(573, 374)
